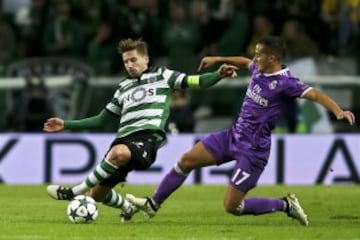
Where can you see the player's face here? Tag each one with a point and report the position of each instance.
(262, 59)
(135, 63)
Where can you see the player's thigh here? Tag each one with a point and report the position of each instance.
(244, 177)
(99, 192)
(197, 156)
(137, 151)
(218, 144)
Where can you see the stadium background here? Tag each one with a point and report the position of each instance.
(59, 58)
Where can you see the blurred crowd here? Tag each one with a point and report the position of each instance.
(178, 31)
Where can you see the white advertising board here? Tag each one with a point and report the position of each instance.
(69, 158)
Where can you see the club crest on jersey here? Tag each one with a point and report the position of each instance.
(273, 84)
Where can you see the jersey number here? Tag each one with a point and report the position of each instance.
(240, 176)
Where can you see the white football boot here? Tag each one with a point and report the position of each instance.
(127, 214)
(294, 210)
(143, 204)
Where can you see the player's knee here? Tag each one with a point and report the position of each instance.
(187, 163)
(231, 208)
(119, 155)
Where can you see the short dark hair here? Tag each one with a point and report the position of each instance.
(274, 45)
(129, 44)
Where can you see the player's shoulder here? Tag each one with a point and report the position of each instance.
(284, 78)
(159, 69)
(122, 80)
(285, 81)
(170, 73)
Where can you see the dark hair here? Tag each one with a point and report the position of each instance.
(274, 45)
(129, 44)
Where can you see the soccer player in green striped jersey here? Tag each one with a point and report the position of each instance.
(141, 103)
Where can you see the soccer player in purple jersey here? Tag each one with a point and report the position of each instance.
(271, 89)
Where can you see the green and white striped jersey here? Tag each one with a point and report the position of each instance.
(144, 103)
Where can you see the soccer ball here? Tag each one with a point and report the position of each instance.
(82, 209)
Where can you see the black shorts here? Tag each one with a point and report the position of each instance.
(143, 148)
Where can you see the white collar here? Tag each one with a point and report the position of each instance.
(281, 72)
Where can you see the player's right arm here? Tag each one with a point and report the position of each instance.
(240, 62)
(316, 95)
(57, 124)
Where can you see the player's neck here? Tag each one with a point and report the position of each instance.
(273, 69)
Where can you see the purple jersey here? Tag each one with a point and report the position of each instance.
(267, 96)
(248, 141)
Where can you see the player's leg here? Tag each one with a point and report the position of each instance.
(245, 177)
(143, 151)
(109, 197)
(197, 157)
(119, 155)
(259, 206)
(201, 155)
(235, 203)
(128, 152)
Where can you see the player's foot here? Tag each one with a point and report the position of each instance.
(59, 192)
(294, 210)
(126, 215)
(144, 204)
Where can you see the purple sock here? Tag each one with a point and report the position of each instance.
(168, 185)
(258, 206)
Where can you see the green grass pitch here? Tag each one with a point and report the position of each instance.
(193, 212)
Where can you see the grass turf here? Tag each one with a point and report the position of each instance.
(193, 212)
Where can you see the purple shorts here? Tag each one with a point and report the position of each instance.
(249, 163)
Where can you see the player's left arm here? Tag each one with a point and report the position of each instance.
(316, 95)
(209, 79)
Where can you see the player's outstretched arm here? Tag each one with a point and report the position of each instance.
(326, 101)
(208, 79)
(240, 62)
(94, 122)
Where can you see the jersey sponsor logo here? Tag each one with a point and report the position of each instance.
(140, 94)
(254, 94)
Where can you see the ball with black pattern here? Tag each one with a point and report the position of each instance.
(82, 209)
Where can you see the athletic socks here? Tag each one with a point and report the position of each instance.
(104, 170)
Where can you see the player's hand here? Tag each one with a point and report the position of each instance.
(54, 125)
(207, 62)
(348, 115)
(226, 70)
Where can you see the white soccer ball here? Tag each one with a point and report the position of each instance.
(82, 209)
